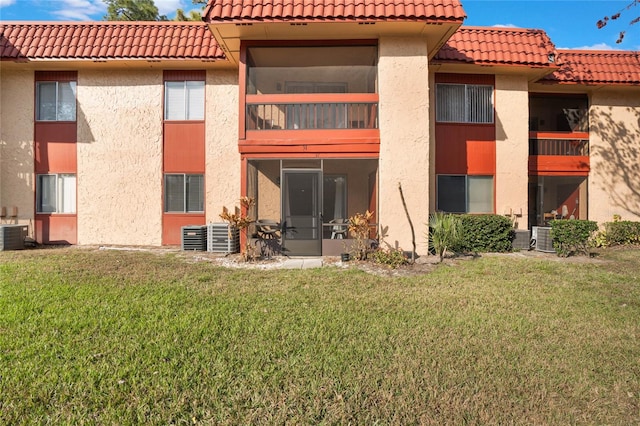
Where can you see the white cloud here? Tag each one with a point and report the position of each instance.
(505, 26)
(81, 10)
(597, 46)
(4, 3)
(168, 7)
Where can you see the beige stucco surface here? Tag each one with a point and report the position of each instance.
(512, 147)
(222, 176)
(16, 143)
(120, 157)
(614, 181)
(403, 71)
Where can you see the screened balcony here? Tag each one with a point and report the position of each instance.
(301, 90)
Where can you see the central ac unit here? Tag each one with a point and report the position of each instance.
(541, 235)
(222, 239)
(194, 238)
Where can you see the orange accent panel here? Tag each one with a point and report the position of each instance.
(370, 148)
(242, 87)
(465, 149)
(184, 147)
(559, 165)
(558, 135)
(284, 155)
(172, 224)
(56, 75)
(303, 98)
(55, 147)
(56, 228)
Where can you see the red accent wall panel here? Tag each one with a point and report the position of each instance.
(56, 228)
(466, 78)
(172, 224)
(184, 147)
(559, 165)
(465, 149)
(56, 75)
(179, 75)
(55, 147)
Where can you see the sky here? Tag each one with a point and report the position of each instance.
(571, 24)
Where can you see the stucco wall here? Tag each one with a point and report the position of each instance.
(222, 178)
(512, 146)
(614, 181)
(403, 72)
(16, 143)
(120, 157)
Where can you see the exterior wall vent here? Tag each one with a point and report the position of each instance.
(12, 237)
(194, 238)
(220, 240)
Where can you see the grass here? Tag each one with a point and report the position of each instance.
(112, 337)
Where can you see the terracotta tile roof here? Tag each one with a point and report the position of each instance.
(597, 67)
(498, 46)
(323, 10)
(108, 40)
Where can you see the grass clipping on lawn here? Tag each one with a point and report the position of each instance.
(113, 337)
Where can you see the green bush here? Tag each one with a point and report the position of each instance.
(484, 233)
(444, 231)
(621, 233)
(572, 236)
(392, 258)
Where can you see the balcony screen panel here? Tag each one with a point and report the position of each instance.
(271, 68)
(552, 113)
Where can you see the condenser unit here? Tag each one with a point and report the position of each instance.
(194, 238)
(12, 236)
(541, 235)
(222, 239)
(521, 240)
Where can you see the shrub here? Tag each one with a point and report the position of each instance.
(572, 236)
(621, 233)
(391, 257)
(444, 232)
(485, 233)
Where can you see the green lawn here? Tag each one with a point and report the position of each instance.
(113, 337)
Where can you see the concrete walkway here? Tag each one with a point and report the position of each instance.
(302, 263)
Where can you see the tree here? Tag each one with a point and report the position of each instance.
(603, 22)
(193, 15)
(132, 10)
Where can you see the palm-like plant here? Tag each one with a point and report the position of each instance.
(444, 232)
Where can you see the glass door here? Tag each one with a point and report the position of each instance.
(302, 212)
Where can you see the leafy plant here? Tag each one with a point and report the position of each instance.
(572, 236)
(390, 257)
(444, 232)
(240, 220)
(359, 226)
(484, 233)
(621, 232)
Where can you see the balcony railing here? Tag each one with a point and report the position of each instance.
(311, 112)
(566, 145)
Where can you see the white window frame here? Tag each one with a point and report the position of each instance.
(185, 192)
(467, 193)
(63, 197)
(58, 100)
(192, 108)
(469, 109)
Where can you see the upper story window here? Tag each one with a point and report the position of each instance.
(311, 69)
(558, 113)
(184, 100)
(464, 103)
(56, 101)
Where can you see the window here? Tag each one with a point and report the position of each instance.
(183, 193)
(56, 193)
(464, 103)
(184, 100)
(56, 101)
(465, 194)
